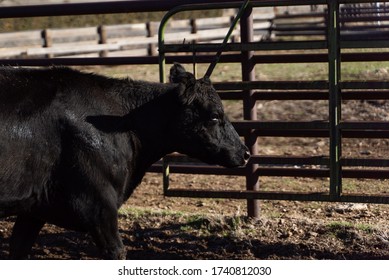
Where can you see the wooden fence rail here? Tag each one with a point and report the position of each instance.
(116, 40)
(140, 39)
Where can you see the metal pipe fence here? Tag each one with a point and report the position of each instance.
(334, 166)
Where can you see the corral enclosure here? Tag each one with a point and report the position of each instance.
(304, 154)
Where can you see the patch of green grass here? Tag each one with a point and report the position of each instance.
(137, 213)
(275, 214)
(196, 221)
(339, 228)
(132, 212)
(349, 187)
(365, 227)
(365, 186)
(292, 71)
(362, 70)
(336, 225)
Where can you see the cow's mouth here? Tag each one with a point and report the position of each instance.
(233, 159)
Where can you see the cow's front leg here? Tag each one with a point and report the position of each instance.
(24, 234)
(106, 235)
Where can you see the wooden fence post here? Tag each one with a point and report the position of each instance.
(193, 28)
(151, 31)
(47, 41)
(102, 32)
(234, 38)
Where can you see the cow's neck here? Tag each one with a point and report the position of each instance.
(150, 122)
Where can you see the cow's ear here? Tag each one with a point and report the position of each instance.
(178, 75)
(186, 96)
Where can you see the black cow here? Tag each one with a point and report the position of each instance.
(73, 146)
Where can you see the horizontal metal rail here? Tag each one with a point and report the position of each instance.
(301, 196)
(131, 6)
(306, 95)
(286, 161)
(232, 58)
(272, 171)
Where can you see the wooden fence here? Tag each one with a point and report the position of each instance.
(118, 40)
(141, 39)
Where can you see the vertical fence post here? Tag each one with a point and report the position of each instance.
(102, 32)
(47, 40)
(193, 28)
(150, 27)
(162, 79)
(233, 37)
(334, 98)
(250, 112)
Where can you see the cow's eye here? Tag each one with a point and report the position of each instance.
(215, 117)
(213, 120)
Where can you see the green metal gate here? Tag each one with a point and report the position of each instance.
(249, 90)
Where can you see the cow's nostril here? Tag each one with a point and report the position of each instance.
(247, 155)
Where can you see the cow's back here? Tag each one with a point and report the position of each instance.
(39, 111)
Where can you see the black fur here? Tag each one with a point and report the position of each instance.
(73, 146)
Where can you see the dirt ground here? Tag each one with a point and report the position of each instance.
(157, 227)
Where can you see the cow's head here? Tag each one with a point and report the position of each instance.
(202, 129)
